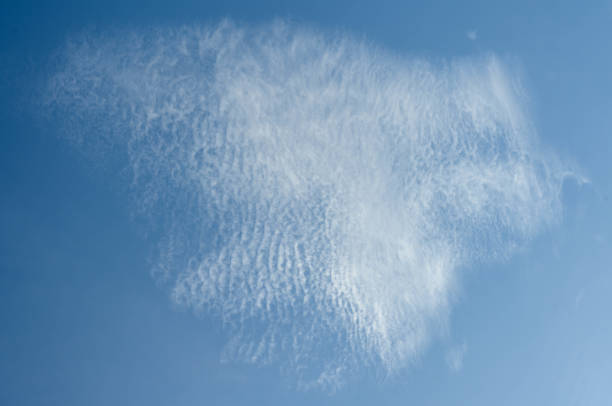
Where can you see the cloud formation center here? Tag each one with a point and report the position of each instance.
(317, 193)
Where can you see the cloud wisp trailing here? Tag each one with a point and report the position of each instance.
(455, 356)
(317, 193)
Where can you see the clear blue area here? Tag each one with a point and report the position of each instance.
(83, 323)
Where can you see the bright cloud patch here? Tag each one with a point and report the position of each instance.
(317, 193)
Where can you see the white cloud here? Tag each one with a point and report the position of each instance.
(455, 356)
(317, 193)
(472, 35)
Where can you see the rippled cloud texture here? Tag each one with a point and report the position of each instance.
(315, 192)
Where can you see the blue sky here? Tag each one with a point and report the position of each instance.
(113, 284)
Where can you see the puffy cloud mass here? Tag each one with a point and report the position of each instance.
(317, 193)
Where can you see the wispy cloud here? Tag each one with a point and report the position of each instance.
(472, 35)
(315, 192)
(455, 356)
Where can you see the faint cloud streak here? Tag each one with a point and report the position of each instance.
(455, 357)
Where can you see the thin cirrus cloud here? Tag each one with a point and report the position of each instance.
(316, 193)
(455, 356)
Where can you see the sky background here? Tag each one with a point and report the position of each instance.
(83, 322)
